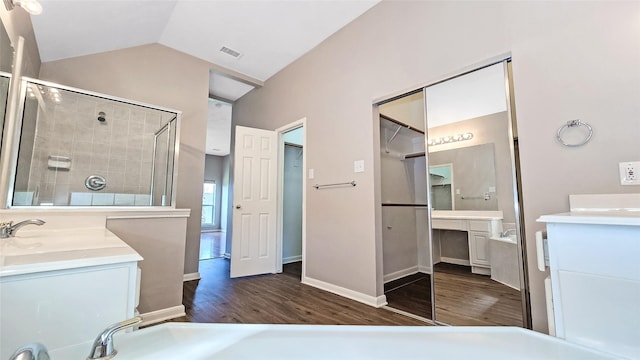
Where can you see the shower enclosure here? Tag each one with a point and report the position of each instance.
(79, 148)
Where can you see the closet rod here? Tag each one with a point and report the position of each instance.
(292, 144)
(397, 122)
(416, 155)
(401, 204)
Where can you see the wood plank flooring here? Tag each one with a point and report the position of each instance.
(463, 298)
(274, 299)
(411, 293)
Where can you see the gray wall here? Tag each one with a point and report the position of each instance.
(214, 171)
(566, 66)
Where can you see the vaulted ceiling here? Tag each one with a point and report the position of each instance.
(267, 34)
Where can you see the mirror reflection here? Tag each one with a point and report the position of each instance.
(476, 266)
(80, 149)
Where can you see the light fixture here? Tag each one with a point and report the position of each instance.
(33, 7)
(450, 139)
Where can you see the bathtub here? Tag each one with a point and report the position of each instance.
(244, 341)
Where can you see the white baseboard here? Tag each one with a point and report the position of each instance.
(344, 292)
(424, 269)
(191, 276)
(227, 255)
(157, 316)
(210, 230)
(455, 261)
(290, 259)
(400, 274)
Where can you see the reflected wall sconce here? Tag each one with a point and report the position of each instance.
(33, 7)
(450, 139)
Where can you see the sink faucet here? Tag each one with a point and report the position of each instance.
(34, 351)
(102, 348)
(9, 229)
(507, 232)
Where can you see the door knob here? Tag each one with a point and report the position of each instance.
(238, 206)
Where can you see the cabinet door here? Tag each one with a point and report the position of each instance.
(479, 248)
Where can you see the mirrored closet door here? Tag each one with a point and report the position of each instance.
(450, 216)
(475, 233)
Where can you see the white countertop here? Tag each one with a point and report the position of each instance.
(466, 215)
(245, 341)
(617, 217)
(32, 251)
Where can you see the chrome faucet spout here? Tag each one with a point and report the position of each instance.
(9, 229)
(508, 232)
(35, 351)
(102, 348)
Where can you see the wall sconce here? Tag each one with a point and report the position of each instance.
(33, 7)
(450, 139)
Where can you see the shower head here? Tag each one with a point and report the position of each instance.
(101, 116)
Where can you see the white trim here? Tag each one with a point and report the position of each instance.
(455, 261)
(408, 314)
(344, 292)
(227, 256)
(191, 276)
(291, 259)
(425, 269)
(400, 274)
(161, 315)
(210, 230)
(302, 123)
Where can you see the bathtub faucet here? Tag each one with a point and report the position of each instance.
(9, 229)
(34, 351)
(508, 232)
(102, 348)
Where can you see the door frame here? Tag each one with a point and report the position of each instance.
(301, 123)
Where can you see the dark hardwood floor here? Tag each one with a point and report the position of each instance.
(411, 293)
(274, 299)
(463, 298)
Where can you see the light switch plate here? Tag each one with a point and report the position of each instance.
(358, 166)
(630, 173)
(311, 174)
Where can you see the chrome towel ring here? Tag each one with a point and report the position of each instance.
(573, 124)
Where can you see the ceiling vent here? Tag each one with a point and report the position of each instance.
(231, 52)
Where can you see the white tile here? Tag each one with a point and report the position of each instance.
(80, 199)
(102, 199)
(124, 199)
(142, 199)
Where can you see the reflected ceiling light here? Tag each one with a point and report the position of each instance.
(450, 139)
(33, 7)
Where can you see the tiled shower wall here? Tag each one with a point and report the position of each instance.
(119, 149)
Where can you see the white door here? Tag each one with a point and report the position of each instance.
(253, 240)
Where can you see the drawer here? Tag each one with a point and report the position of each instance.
(448, 224)
(479, 225)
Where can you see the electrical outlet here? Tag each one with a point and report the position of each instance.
(630, 173)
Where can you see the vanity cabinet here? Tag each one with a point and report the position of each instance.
(595, 279)
(62, 288)
(480, 226)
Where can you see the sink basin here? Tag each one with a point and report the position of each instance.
(45, 250)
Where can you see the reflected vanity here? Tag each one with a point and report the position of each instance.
(450, 223)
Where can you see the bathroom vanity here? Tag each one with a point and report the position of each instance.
(61, 285)
(595, 275)
(480, 227)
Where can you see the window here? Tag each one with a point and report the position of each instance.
(208, 203)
